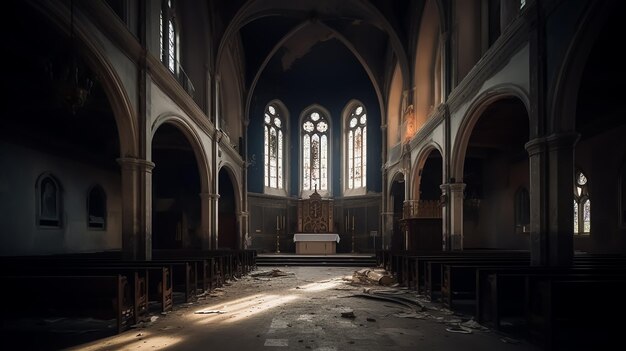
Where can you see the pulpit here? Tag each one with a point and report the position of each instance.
(315, 233)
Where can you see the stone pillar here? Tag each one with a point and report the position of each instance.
(560, 193)
(206, 207)
(387, 230)
(446, 231)
(539, 216)
(214, 237)
(455, 199)
(136, 208)
(242, 219)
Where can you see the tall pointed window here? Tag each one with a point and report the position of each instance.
(168, 36)
(582, 205)
(315, 151)
(356, 139)
(274, 149)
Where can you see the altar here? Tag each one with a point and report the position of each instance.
(315, 234)
(316, 243)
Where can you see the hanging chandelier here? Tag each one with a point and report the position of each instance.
(69, 76)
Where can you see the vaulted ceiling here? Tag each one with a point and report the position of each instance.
(374, 31)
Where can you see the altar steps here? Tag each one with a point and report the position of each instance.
(338, 260)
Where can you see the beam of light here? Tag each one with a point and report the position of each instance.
(238, 309)
(130, 340)
(319, 286)
(263, 307)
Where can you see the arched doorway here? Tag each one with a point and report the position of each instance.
(176, 187)
(495, 169)
(423, 215)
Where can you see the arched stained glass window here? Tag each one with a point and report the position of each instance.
(315, 149)
(167, 35)
(582, 205)
(274, 152)
(356, 138)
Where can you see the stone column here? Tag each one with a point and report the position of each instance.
(455, 199)
(560, 193)
(446, 223)
(206, 207)
(539, 216)
(136, 208)
(242, 219)
(214, 238)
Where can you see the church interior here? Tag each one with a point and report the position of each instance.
(474, 149)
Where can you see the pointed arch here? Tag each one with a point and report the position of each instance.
(420, 161)
(471, 117)
(195, 142)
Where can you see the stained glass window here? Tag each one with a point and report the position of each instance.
(582, 205)
(356, 130)
(167, 35)
(273, 148)
(315, 151)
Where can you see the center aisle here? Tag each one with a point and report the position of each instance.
(303, 308)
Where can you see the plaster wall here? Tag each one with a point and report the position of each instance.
(21, 167)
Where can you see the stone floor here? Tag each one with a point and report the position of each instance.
(310, 308)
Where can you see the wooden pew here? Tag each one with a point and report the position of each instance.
(158, 276)
(576, 312)
(420, 272)
(100, 297)
(503, 292)
(434, 273)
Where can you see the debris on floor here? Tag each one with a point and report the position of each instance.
(415, 315)
(372, 276)
(210, 312)
(273, 273)
(508, 340)
(459, 329)
(348, 314)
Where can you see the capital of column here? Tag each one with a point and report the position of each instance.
(243, 213)
(209, 196)
(456, 187)
(131, 163)
(562, 140)
(536, 146)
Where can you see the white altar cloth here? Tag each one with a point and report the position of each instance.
(315, 237)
